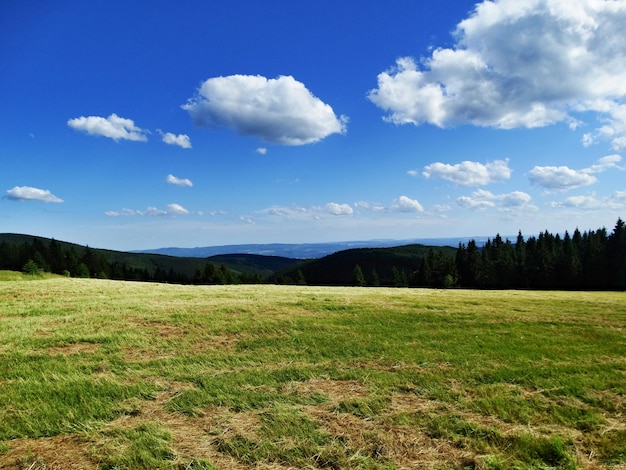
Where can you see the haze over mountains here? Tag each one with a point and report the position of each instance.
(304, 250)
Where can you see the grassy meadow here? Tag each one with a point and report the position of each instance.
(98, 374)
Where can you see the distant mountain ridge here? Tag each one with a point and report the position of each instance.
(304, 250)
(151, 263)
(321, 263)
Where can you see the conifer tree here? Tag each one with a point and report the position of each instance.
(358, 278)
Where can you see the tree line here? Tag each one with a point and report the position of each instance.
(39, 256)
(593, 259)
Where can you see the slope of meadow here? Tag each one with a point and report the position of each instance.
(108, 374)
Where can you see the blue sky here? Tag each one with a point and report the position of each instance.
(135, 125)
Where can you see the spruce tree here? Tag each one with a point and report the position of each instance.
(358, 279)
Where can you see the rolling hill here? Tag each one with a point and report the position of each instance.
(306, 250)
(379, 265)
(242, 263)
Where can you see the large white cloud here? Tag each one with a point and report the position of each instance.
(278, 110)
(27, 193)
(469, 173)
(561, 178)
(114, 127)
(518, 64)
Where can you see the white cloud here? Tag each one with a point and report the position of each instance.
(442, 208)
(560, 177)
(481, 199)
(280, 110)
(114, 127)
(469, 173)
(123, 213)
(563, 178)
(401, 204)
(171, 179)
(170, 209)
(182, 140)
(515, 199)
(261, 150)
(176, 209)
(300, 213)
(619, 197)
(605, 163)
(369, 206)
(468, 202)
(580, 202)
(616, 201)
(338, 209)
(614, 127)
(406, 204)
(27, 193)
(518, 64)
(289, 213)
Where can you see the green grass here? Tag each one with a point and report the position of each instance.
(134, 375)
(18, 276)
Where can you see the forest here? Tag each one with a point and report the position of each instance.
(33, 255)
(594, 259)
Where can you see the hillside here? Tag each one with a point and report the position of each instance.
(306, 250)
(253, 264)
(335, 269)
(594, 259)
(380, 266)
(19, 248)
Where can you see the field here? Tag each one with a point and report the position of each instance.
(99, 374)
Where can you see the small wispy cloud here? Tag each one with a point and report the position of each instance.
(113, 127)
(369, 206)
(336, 209)
(616, 201)
(563, 178)
(406, 204)
(481, 199)
(261, 150)
(170, 210)
(468, 173)
(401, 204)
(28, 193)
(182, 140)
(185, 182)
(293, 213)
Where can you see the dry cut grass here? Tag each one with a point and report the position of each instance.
(101, 375)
